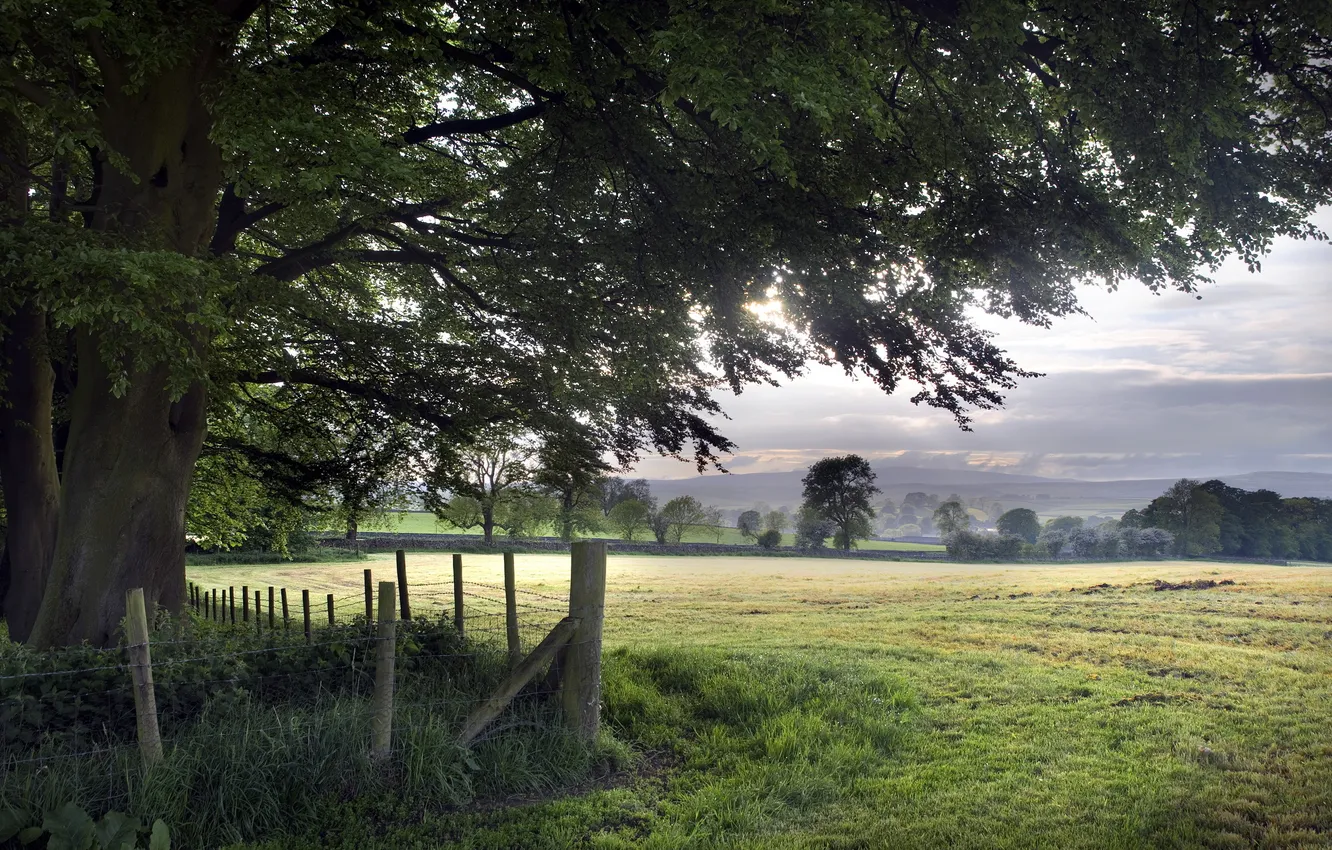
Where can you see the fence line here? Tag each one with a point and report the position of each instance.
(354, 654)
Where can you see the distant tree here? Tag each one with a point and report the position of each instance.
(951, 517)
(1020, 522)
(1192, 514)
(919, 501)
(680, 515)
(1063, 523)
(616, 490)
(526, 512)
(1133, 518)
(770, 539)
(908, 529)
(570, 468)
(966, 545)
(777, 521)
(1051, 541)
(460, 512)
(840, 489)
(750, 525)
(714, 522)
(486, 471)
(630, 518)
(812, 528)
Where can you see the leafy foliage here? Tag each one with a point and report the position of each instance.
(630, 517)
(679, 516)
(750, 524)
(951, 516)
(71, 828)
(964, 545)
(1020, 522)
(839, 489)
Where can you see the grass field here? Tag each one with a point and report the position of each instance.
(844, 704)
(420, 522)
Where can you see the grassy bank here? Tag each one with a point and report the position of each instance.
(1011, 706)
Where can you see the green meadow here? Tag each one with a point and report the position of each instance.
(852, 704)
(422, 522)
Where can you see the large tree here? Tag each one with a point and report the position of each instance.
(840, 489)
(470, 213)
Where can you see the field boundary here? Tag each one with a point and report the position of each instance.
(390, 541)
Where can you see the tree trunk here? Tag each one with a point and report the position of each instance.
(27, 469)
(488, 523)
(351, 528)
(127, 466)
(127, 476)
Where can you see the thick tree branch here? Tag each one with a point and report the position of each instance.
(233, 219)
(464, 126)
(418, 409)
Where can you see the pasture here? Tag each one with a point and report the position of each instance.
(423, 522)
(854, 704)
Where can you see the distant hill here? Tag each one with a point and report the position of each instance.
(1046, 496)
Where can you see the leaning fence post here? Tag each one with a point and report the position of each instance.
(141, 669)
(580, 696)
(286, 620)
(271, 613)
(403, 603)
(457, 593)
(511, 611)
(369, 600)
(381, 718)
(305, 605)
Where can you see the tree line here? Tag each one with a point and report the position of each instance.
(1190, 518)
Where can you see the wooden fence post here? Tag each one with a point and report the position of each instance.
(271, 613)
(511, 611)
(369, 601)
(286, 620)
(522, 673)
(403, 603)
(381, 717)
(258, 618)
(305, 605)
(231, 602)
(141, 668)
(331, 618)
(245, 603)
(214, 604)
(580, 695)
(457, 593)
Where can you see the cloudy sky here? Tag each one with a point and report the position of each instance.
(1148, 386)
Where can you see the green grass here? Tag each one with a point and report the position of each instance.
(852, 704)
(421, 522)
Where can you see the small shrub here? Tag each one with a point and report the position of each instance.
(770, 539)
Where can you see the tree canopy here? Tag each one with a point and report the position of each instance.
(839, 489)
(465, 214)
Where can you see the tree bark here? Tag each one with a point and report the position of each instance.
(488, 523)
(351, 528)
(130, 456)
(127, 475)
(27, 468)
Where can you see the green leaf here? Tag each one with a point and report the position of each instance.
(29, 835)
(161, 837)
(117, 831)
(11, 823)
(71, 828)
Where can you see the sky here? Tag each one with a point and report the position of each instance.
(1146, 386)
